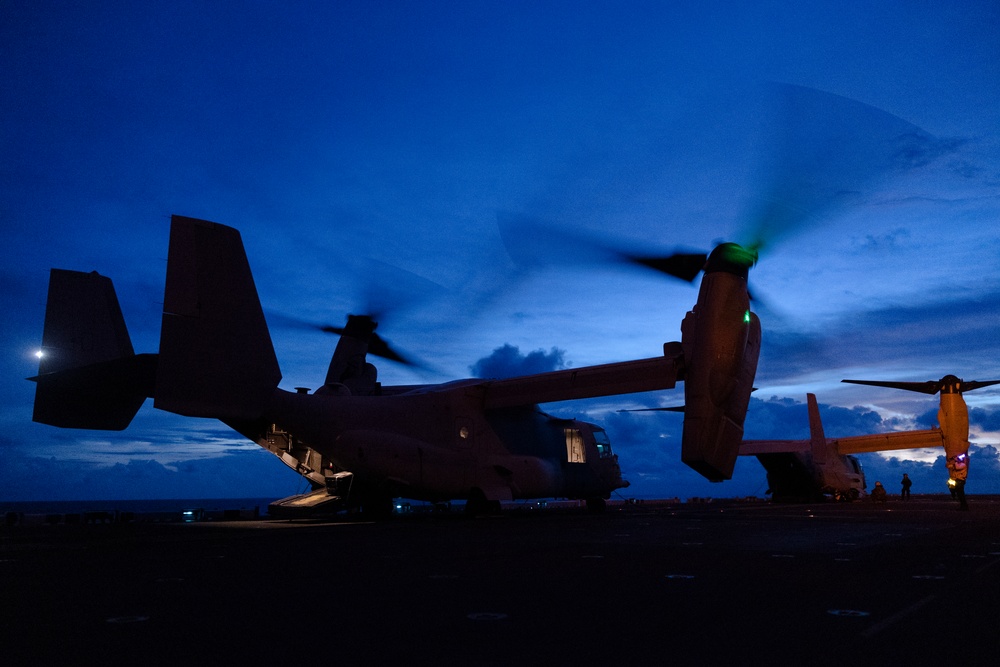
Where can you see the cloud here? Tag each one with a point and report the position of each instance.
(244, 474)
(788, 419)
(160, 456)
(649, 452)
(785, 418)
(886, 241)
(987, 419)
(507, 361)
(888, 467)
(895, 335)
(917, 149)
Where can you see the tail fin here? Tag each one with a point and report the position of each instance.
(817, 439)
(88, 376)
(216, 357)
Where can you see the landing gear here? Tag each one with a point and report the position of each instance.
(477, 504)
(377, 507)
(848, 496)
(596, 505)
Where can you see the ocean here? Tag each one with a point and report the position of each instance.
(167, 509)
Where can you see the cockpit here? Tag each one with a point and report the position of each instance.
(603, 444)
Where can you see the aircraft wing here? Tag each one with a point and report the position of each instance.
(888, 441)
(858, 444)
(625, 377)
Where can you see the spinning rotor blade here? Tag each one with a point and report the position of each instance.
(827, 149)
(359, 326)
(685, 266)
(531, 244)
(931, 386)
(364, 325)
(386, 289)
(978, 384)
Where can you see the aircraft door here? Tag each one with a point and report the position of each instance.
(576, 449)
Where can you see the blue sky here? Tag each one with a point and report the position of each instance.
(366, 149)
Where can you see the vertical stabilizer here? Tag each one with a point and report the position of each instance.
(88, 375)
(216, 357)
(817, 439)
(83, 322)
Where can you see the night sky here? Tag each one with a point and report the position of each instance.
(371, 154)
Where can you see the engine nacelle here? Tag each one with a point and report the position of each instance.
(953, 418)
(721, 342)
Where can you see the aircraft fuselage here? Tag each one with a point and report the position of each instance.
(439, 443)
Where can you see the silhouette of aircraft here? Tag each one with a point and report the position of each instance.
(359, 443)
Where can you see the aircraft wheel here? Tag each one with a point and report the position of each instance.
(478, 504)
(596, 505)
(377, 507)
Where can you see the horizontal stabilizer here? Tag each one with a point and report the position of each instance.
(816, 444)
(216, 357)
(104, 396)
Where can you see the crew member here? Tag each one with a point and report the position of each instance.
(878, 493)
(958, 470)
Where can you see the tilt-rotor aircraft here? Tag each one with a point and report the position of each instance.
(359, 443)
(808, 470)
(814, 468)
(952, 432)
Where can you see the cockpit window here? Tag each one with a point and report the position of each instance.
(603, 444)
(855, 464)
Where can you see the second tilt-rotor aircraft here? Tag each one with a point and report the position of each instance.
(821, 466)
(360, 443)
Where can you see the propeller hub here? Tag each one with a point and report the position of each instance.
(360, 326)
(731, 258)
(950, 384)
